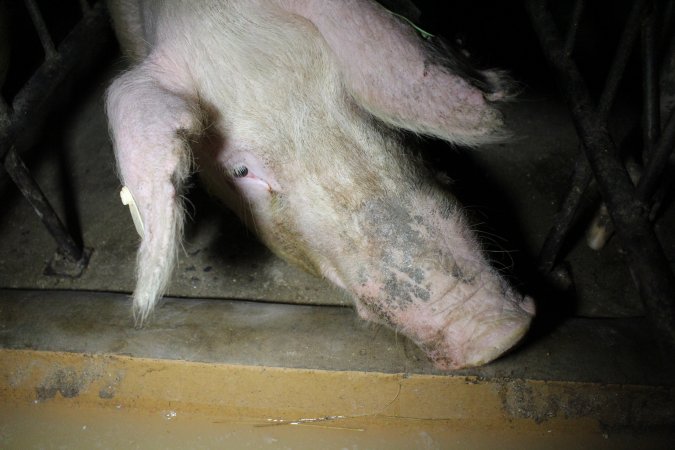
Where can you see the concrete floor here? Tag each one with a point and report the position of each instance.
(241, 306)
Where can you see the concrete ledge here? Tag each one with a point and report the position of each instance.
(68, 359)
(617, 351)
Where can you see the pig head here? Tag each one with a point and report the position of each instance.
(288, 110)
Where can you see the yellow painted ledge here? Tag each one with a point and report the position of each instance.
(309, 396)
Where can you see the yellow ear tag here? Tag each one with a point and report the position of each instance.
(128, 199)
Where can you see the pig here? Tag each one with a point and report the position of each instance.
(291, 111)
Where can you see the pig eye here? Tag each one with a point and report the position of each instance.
(240, 171)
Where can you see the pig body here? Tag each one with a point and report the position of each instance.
(288, 109)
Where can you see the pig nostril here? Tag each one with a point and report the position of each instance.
(240, 171)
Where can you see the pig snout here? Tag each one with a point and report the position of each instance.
(458, 330)
(480, 338)
(425, 277)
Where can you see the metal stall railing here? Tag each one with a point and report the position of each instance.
(19, 118)
(628, 203)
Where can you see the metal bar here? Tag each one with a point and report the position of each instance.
(659, 161)
(622, 54)
(87, 35)
(571, 38)
(600, 230)
(651, 120)
(41, 28)
(645, 258)
(4, 113)
(24, 121)
(562, 222)
(582, 175)
(84, 7)
(19, 173)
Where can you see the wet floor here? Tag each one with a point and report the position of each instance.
(74, 400)
(46, 426)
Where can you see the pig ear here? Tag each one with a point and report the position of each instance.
(149, 126)
(395, 75)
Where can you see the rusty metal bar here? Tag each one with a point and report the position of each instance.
(582, 172)
(645, 258)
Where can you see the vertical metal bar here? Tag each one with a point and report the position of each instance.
(34, 97)
(571, 38)
(623, 51)
(601, 229)
(4, 114)
(41, 29)
(562, 222)
(84, 7)
(645, 258)
(582, 173)
(659, 161)
(27, 114)
(19, 173)
(651, 119)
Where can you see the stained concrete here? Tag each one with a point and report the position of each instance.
(612, 351)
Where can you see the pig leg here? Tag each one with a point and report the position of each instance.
(149, 126)
(394, 75)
